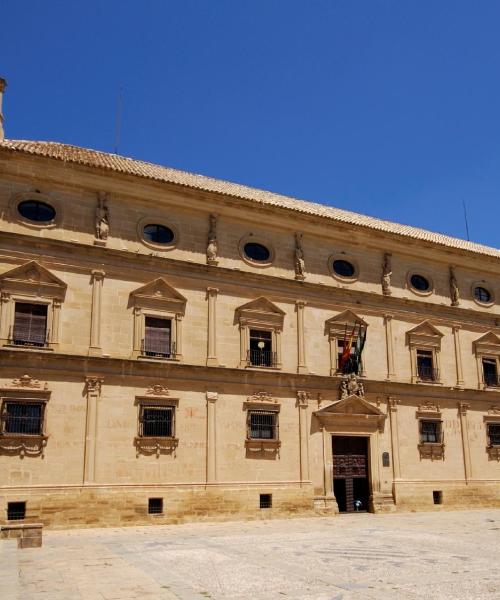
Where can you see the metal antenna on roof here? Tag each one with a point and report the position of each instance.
(466, 222)
(118, 123)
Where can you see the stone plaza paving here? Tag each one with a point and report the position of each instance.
(363, 556)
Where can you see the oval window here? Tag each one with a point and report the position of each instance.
(158, 234)
(343, 268)
(37, 211)
(481, 294)
(420, 283)
(257, 252)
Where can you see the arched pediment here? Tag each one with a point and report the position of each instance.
(159, 294)
(34, 279)
(260, 312)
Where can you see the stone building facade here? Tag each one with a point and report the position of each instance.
(170, 346)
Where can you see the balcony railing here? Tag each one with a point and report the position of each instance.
(151, 349)
(491, 380)
(30, 341)
(426, 373)
(262, 358)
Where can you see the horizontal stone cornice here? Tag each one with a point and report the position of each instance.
(59, 254)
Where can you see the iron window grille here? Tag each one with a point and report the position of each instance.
(493, 434)
(260, 353)
(157, 342)
(265, 500)
(430, 432)
(156, 421)
(425, 366)
(262, 425)
(155, 506)
(22, 418)
(30, 325)
(16, 511)
(490, 372)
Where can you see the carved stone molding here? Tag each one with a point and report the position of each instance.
(494, 410)
(33, 445)
(28, 382)
(351, 385)
(155, 445)
(432, 451)
(157, 389)
(93, 385)
(392, 403)
(262, 397)
(212, 396)
(303, 399)
(429, 409)
(270, 447)
(463, 407)
(493, 453)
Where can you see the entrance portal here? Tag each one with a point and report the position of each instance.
(350, 473)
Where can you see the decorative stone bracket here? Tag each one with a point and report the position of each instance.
(153, 445)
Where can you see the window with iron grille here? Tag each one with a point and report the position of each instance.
(261, 352)
(156, 421)
(493, 434)
(155, 506)
(490, 372)
(22, 418)
(16, 511)
(157, 341)
(430, 432)
(262, 425)
(425, 366)
(265, 500)
(30, 325)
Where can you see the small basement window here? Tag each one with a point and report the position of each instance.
(437, 497)
(155, 506)
(16, 511)
(266, 500)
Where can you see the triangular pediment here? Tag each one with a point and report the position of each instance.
(158, 291)
(261, 304)
(426, 328)
(352, 405)
(346, 317)
(32, 275)
(489, 338)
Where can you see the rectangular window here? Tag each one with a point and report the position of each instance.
(158, 338)
(425, 366)
(261, 352)
(493, 434)
(25, 418)
(156, 421)
(262, 425)
(430, 432)
(16, 511)
(30, 324)
(265, 500)
(490, 372)
(155, 506)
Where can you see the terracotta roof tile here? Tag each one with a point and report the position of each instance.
(121, 164)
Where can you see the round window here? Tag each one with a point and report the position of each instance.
(34, 210)
(343, 268)
(257, 252)
(420, 283)
(158, 234)
(481, 294)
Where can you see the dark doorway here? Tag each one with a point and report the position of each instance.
(350, 473)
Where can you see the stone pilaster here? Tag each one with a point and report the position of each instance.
(389, 347)
(464, 430)
(392, 405)
(212, 360)
(95, 314)
(211, 438)
(302, 363)
(178, 336)
(302, 403)
(4, 317)
(93, 391)
(458, 355)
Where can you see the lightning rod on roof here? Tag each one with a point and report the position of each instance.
(466, 222)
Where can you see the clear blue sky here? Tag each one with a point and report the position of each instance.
(389, 108)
